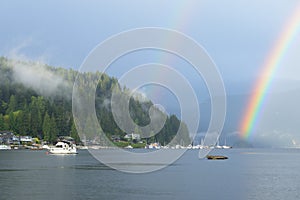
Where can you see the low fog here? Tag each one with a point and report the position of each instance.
(34, 74)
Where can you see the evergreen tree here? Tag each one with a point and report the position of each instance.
(74, 133)
(35, 117)
(53, 130)
(26, 127)
(12, 106)
(12, 122)
(21, 123)
(2, 125)
(47, 128)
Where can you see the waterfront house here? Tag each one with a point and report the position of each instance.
(7, 137)
(133, 136)
(26, 139)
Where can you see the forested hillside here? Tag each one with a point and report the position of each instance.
(36, 100)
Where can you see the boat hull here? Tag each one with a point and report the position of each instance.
(5, 147)
(60, 151)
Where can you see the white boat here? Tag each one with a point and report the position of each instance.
(226, 146)
(201, 145)
(45, 146)
(5, 147)
(218, 146)
(63, 148)
(155, 145)
(83, 147)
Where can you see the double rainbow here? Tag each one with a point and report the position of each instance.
(263, 84)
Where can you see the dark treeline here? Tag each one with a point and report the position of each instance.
(44, 109)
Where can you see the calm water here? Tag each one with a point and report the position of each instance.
(247, 174)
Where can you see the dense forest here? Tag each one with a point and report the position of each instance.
(36, 100)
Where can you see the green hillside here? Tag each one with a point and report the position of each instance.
(36, 100)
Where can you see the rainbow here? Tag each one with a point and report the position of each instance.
(269, 67)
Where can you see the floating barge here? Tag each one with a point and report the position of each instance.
(211, 157)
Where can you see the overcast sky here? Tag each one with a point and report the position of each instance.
(237, 34)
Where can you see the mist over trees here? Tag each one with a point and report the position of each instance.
(39, 103)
